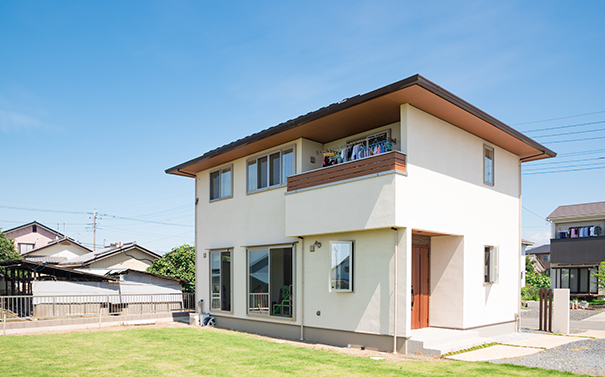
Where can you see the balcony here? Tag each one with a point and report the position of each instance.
(346, 197)
(577, 250)
(389, 161)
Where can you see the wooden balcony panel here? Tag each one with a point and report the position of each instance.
(348, 170)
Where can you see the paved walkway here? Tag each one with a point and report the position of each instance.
(583, 351)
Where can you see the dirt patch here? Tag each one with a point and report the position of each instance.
(354, 351)
(49, 330)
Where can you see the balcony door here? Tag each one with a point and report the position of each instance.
(420, 286)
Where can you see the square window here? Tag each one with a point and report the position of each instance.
(270, 170)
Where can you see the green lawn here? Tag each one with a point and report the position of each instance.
(198, 352)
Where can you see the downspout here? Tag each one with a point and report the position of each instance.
(519, 262)
(395, 292)
(302, 288)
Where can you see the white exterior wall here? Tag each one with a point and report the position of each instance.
(443, 192)
(68, 251)
(237, 222)
(121, 260)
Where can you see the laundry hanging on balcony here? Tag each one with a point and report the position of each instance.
(357, 150)
(581, 232)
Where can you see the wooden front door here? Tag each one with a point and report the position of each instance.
(420, 286)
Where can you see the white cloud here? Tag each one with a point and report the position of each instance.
(538, 238)
(15, 122)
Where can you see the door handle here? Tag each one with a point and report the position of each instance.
(412, 297)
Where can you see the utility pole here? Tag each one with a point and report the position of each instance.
(94, 215)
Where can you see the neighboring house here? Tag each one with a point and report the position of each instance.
(524, 245)
(357, 223)
(577, 246)
(32, 236)
(124, 291)
(542, 255)
(57, 251)
(117, 255)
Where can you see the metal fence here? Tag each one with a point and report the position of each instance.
(14, 308)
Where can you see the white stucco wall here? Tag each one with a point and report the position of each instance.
(68, 251)
(136, 260)
(443, 192)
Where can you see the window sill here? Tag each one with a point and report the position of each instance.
(219, 199)
(283, 185)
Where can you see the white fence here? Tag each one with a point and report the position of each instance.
(14, 308)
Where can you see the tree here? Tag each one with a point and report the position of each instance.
(599, 273)
(178, 263)
(7, 248)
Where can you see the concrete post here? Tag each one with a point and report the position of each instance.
(560, 320)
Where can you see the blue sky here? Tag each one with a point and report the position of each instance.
(97, 99)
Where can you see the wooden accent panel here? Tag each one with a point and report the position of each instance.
(358, 168)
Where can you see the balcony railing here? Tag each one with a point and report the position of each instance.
(353, 169)
(577, 250)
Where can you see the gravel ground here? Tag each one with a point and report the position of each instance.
(584, 357)
(574, 314)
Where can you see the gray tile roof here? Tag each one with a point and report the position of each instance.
(578, 210)
(543, 249)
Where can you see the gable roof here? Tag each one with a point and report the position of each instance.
(30, 224)
(86, 259)
(60, 241)
(543, 249)
(367, 111)
(578, 210)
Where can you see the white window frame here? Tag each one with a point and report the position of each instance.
(491, 265)
(221, 184)
(27, 246)
(220, 254)
(486, 180)
(334, 257)
(283, 181)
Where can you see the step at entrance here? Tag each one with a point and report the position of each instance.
(431, 341)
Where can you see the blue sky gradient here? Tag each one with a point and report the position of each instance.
(97, 99)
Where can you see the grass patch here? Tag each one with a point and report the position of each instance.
(481, 346)
(199, 352)
(596, 302)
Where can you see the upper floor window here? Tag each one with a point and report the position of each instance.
(488, 165)
(270, 170)
(221, 183)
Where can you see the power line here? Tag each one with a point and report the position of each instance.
(571, 133)
(555, 162)
(563, 171)
(573, 140)
(562, 167)
(560, 118)
(533, 213)
(567, 126)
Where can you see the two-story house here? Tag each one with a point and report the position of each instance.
(365, 220)
(577, 246)
(30, 236)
